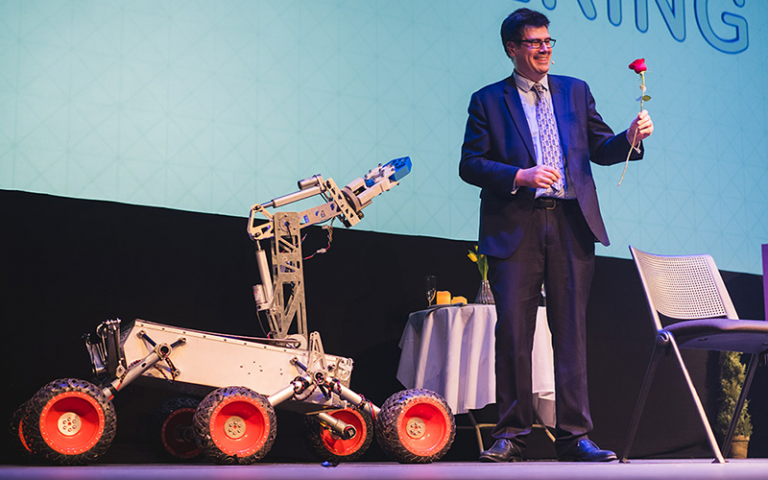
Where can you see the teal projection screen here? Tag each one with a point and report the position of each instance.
(213, 106)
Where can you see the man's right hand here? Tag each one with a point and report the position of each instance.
(540, 176)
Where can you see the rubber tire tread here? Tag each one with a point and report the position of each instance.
(386, 426)
(35, 405)
(203, 432)
(317, 447)
(159, 416)
(20, 451)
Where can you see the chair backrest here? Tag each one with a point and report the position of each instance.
(683, 287)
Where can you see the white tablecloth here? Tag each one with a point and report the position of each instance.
(450, 350)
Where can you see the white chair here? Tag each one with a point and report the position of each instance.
(688, 294)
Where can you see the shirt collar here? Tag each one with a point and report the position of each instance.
(526, 84)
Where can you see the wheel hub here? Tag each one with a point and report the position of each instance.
(235, 427)
(69, 424)
(416, 428)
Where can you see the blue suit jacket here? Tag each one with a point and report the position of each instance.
(498, 142)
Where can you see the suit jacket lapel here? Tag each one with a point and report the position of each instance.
(515, 107)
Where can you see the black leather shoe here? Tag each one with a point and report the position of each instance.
(585, 450)
(502, 451)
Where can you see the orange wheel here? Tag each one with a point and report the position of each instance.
(20, 444)
(172, 429)
(326, 445)
(235, 425)
(415, 426)
(70, 421)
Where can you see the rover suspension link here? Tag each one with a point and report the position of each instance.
(300, 388)
(135, 370)
(359, 401)
(165, 353)
(337, 426)
(334, 386)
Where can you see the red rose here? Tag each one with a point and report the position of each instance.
(638, 65)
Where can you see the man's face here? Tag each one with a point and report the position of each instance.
(531, 62)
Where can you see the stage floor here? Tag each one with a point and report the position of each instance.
(698, 469)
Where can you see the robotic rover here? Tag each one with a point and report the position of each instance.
(71, 421)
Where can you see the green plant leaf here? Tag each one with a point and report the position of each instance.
(646, 98)
(732, 374)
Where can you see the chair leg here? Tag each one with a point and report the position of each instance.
(699, 407)
(753, 361)
(658, 350)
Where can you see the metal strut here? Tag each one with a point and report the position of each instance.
(159, 352)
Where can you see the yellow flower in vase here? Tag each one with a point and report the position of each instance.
(484, 296)
(481, 261)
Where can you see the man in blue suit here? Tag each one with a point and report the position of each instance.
(529, 144)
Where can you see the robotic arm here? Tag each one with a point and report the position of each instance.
(281, 293)
(346, 203)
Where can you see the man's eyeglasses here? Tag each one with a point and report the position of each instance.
(536, 44)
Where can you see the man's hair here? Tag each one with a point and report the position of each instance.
(514, 25)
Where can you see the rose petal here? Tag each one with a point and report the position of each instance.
(638, 65)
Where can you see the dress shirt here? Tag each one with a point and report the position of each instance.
(529, 98)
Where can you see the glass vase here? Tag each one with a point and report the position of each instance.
(485, 295)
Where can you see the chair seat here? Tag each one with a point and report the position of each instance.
(748, 336)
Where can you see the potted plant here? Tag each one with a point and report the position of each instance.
(731, 381)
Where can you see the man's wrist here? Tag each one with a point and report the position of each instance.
(634, 145)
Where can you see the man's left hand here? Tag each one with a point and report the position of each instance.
(640, 129)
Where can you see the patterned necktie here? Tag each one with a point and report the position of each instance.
(550, 145)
